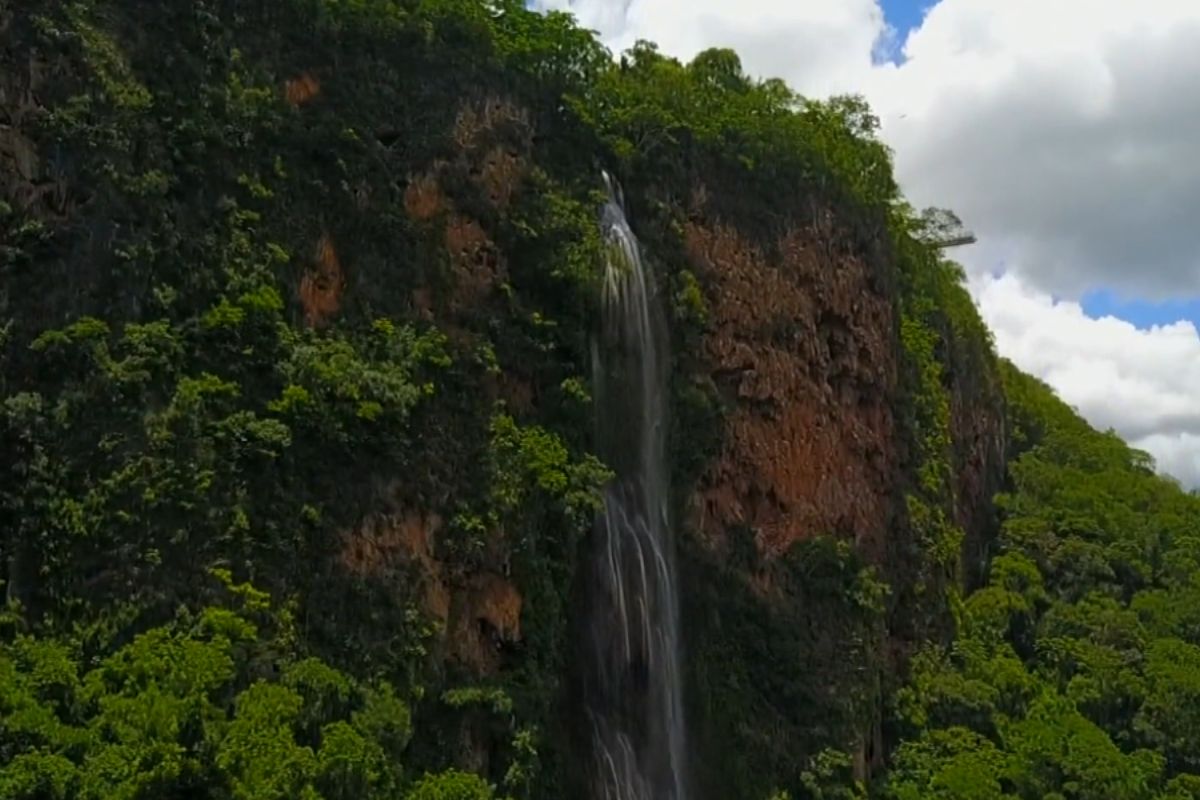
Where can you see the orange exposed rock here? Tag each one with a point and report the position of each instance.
(301, 89)
(423, 198)
(805, 351)
(384, 544)
(494, 137)
(478, 613)
(476, 263)
(479, 123)
(500, 175)
(486, 615)
(322, 285)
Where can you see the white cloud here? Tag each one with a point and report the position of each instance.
(1177, 455)
(1063, 132)
(819, 46)
(1142, 383)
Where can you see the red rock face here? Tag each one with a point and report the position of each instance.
(477, 611)
(322, 285)
(805, 352)
(301, 89)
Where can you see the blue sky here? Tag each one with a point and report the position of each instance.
(1142, 313)
(904, 15)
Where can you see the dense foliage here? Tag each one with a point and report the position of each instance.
(1074, 672)
(302, 301)
(216, 704)
(234, 338)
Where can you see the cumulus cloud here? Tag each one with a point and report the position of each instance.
(820, 46)
(1141, 383)
(1062, 132)
(1177, 455)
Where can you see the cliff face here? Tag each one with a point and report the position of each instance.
(804, 351)
(323, 286)
(820, 445)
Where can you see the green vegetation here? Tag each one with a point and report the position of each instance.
(1074, 672)
(303, 302)
(229, 342)
(216, 704)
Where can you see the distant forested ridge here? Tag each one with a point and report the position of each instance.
(297, 459)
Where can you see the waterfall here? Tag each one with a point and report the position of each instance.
(633, 688)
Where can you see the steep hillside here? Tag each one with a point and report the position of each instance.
(1074, 673)
(297, 308)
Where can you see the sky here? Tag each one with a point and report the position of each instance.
(1065, 134)
(901, 17)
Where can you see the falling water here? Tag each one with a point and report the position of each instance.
(633, 693)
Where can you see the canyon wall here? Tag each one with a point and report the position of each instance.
(323, 286)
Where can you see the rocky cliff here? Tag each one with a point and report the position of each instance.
(308, 295)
